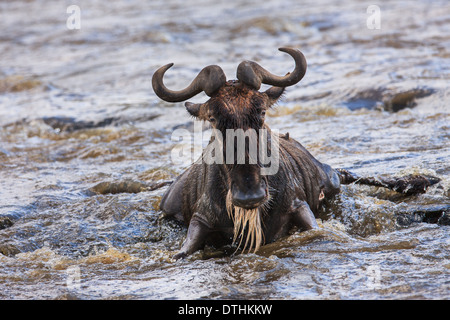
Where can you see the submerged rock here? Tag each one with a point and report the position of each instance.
(5, 222)
(386, 99)
(438, 214)
(69, 124)
(126, 187)
(405, 99)
(410, 184)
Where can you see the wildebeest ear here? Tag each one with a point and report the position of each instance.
(274, 93)
(193, 108)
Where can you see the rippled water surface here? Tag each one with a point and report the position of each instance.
(85, 147)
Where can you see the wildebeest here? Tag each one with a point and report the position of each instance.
(226, 202)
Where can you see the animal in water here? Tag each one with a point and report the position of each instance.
(246, 200)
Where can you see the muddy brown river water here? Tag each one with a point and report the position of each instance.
(85, 147)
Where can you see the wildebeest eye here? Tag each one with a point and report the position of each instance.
(212, 119)
(263, 113)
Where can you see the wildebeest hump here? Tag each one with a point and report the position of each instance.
(306, 174)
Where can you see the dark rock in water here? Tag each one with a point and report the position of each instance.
(5, 222)
(409, 185)
(8, 250)
(438, 214)
(412, 184)
(444, 219)
(405, 99)
(385, 99)
(126, 187)
(69, 124)
(119, 187)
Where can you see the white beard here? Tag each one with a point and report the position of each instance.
(243, 219)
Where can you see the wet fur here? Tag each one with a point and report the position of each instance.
(203, 191)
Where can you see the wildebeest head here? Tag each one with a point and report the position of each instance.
(236, 104)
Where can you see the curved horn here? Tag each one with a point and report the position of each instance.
(209, 80)
(253, 74)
